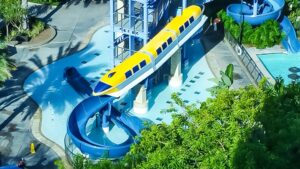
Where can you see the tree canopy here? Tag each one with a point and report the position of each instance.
(252, 127)
(12, 13)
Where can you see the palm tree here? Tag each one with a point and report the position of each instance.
(12, 13)
(6, 65)
(4, 69)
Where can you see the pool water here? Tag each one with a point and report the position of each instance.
(57, 98)
(279, 64)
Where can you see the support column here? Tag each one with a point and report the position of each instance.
(184, 4)
(175, 74)
(255, 2)
(145, 13)
(98, 119)
(140, 104)
(105, 116)
(131, 24)
(112, 10)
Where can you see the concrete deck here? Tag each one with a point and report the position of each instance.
(253, 52)
(19, 115)
(220, 54)
(75, 22)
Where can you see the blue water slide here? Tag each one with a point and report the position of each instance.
(265, 10)
(290, 42)
(10, 167)
(77, 128)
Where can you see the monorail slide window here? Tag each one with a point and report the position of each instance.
(191, 19)
(181, 29)
(135, 68)
(164, 46)
(186, 24)
(111, 74)
(170, 41)
(128, 74)
(158, 51)
(143, 63)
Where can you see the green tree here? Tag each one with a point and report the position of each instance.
(252, 127)
(276, 142)
(6, 65)
(13, 14)
(292, 9)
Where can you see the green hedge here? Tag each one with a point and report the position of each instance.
(267, 34)
(50, 2)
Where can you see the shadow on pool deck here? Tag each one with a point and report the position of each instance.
(17, 109)
(220, 54)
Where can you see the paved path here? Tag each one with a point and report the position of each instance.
(75, 22)
(220, 54)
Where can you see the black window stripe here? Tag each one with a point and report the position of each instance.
(191, 19)
(135, 68)
(170, 41)
(128, 73)
(186, 24)
(143, 63)
(181, 29)
(164, 45)
(158, 51)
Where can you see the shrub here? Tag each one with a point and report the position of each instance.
(267, 34)
(6, 64)
(49, 2)
(37, 28)
(11, 36)
(293, 12)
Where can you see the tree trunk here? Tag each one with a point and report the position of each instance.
(7, 31)
(24, 4)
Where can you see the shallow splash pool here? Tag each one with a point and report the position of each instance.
(279, 64)
(57, 98)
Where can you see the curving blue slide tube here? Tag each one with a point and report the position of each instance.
(77, 128)
(10, 167)
(255, 15)
(290, 42)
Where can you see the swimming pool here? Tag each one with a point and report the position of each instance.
(57, 98)
(279, 65)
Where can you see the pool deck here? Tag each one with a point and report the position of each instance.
(19, 114)
(254, 52)
(220, 54)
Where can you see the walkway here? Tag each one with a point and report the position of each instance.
(220, 54)
(75, 22)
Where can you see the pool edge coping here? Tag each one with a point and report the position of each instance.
(36, 121)
(37, 134)
(253, 52)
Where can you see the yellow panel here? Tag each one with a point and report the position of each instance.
(123, 67)
(192, 10)
(150, 47)
(175, 24)
(157, 42)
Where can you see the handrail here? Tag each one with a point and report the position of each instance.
(245, 58)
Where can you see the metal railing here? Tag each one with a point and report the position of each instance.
(122, 21)
(245, 58)
(123, 53)
(70, 149)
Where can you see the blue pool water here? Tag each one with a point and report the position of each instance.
(57, 98)
(278, 64)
